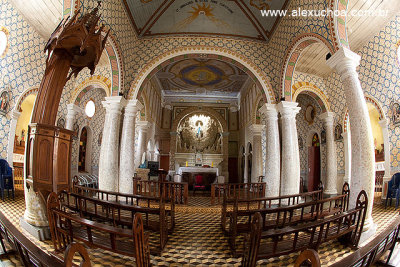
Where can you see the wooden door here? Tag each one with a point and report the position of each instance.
(314, 167)
(164, 163)
(233, 170)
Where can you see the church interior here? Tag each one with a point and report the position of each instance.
(199, 132)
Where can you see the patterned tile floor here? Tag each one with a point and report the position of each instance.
(197, 239)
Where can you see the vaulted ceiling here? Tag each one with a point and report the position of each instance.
(239, 18)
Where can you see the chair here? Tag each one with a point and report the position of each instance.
(198, 183)
(393, 190)
(6, 179)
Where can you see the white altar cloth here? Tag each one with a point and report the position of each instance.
(197, 170)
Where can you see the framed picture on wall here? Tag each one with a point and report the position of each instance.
(338, 132)
(100, 138)
(300, 140)
(395, 112)
(323, 136)
(61, 122)
(5, 96)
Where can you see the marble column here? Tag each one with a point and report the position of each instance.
(109, 152)
(347, 157)
(328, 119)
(345, 63)
(272, 166)
(11, 137)
(72, 111)
(256, 167)
(385, 132)
(127, 151)
(290, 172)
(143, 127)
(225, 152)
(246, 167)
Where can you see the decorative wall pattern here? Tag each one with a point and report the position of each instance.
(96, 125)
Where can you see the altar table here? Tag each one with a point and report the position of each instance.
(210, 175)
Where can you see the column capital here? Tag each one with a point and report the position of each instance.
(233, 108)
(132, 107)
(143, 125)
(327, 117)
(256, 129)
(344, 61)
(287, 108)
(15, 115)
(114, 103)
(74, 109)
(269, 110)
(384, 123)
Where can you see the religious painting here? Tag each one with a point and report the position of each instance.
(309, 115)
(61, 122)
(395, 110)
(323, 136)
(338, 132)
(4, 101)
(199, 133)
(76, 130)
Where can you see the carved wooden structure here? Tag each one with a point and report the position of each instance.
(75, 44)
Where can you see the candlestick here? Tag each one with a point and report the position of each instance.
(212, 164)
(186, 163)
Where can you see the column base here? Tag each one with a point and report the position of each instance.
(367, 233)
(330, 193)
(39, 232)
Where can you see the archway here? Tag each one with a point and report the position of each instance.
(293, 54)
(222, 54)
(314, 162)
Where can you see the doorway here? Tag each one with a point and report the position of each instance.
(82, 150)
(314, 164)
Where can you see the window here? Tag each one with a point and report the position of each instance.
(3, 41)
(90, 108)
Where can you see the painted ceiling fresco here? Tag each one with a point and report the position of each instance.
(198, 76)
(238, 18)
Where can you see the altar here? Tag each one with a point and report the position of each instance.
(188, 174)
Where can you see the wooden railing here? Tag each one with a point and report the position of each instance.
(239, 190)
(179, 191)
(364, 256)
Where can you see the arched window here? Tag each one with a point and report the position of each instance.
(315, 140)
(3, 41)
(90, 108)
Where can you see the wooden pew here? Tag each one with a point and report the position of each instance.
(66, 227)
(170, 190)
(365, 256)
(119, 214)
(228, 205)
(130, 199)
(347, 226)
(233, 190)
(279, 217)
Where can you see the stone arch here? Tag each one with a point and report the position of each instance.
(337, 23)
(368, 99)
(313, 91)
(25, 94)
(90, 82)
(219, 53)
(191, 110)
(293, 54)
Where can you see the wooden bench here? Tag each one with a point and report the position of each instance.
(118, 214)
(66, 227)
(279, 217)
(233, 190)
(347, 226)
(228, 205)
(170, 190)
(364, 256)
(130, 199)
